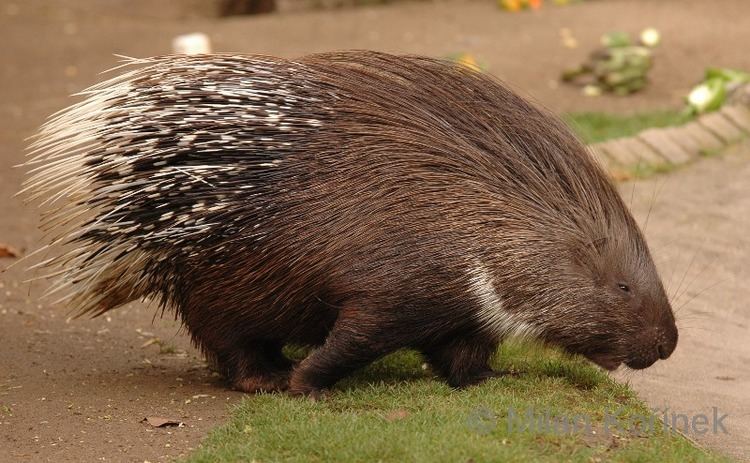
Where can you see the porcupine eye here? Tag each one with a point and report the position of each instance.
(624, 288)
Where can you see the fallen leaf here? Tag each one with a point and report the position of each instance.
(159, 422)
(7, 251)
(150, 341)
(396, 415)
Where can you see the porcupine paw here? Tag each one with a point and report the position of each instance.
(312, 393)
(479, 377)
(301, 388)
(263, 382)
(475, 378)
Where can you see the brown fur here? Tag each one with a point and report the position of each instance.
(418, 173)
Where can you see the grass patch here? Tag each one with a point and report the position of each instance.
(596, 127)
(6, 411)
(396, 411)
(643, 170)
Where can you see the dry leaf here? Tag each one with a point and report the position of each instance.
(150, 342)
(159, 422)
(7, 251)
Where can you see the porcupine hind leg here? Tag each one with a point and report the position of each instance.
(249, 361)
(257, 366)
(262, 367)
(463, 361)
(355, 340)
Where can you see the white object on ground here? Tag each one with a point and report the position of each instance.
(650, 37)
(700, 96)
(191, 44)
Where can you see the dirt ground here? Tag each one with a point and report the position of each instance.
(78, 390)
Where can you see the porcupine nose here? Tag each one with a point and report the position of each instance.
(655, 343)
(666, 340)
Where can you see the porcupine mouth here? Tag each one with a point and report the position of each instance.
(606, 361)
(640, 363)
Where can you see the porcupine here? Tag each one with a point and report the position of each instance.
(357, 202)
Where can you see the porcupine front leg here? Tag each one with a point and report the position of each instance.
(463, 361)
(356, 339)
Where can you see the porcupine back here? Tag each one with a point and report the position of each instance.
(160, 163)
(186, 159)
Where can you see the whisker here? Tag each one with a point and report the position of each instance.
(696, 277)
(713, 285)
(687, 270)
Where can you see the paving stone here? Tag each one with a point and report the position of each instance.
(674, 145)
(665, 146)
(718, 124)
(682, 136)
(706, 139)
(620, 152)
(739, 115)
(644, 152)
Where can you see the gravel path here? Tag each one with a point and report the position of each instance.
(699, 230)
(77, 390)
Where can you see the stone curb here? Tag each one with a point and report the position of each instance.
(674, 146)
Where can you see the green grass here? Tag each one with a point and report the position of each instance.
(596, 127)
(643, 170)
(395, 411)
